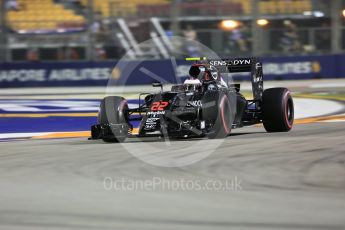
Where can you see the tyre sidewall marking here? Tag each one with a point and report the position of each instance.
(286, 98)
(225, 125)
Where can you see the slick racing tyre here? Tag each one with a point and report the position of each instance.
(220, 113)
(278, 110)
(114, 111)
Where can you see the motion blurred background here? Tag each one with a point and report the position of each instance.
(304, 37)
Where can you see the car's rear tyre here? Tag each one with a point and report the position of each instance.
(278, 110)
(114, 110)
(223, 120)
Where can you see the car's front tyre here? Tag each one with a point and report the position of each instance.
(114, 111)
(221, 114)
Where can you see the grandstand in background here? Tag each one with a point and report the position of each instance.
(48, 15)
(47, 30)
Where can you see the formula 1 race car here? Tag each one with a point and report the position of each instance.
(205, 105)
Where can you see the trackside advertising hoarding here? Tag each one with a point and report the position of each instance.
(146, 72)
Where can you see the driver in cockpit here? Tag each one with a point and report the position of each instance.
(193, 79)
(208, 75)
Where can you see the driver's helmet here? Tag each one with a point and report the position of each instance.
(194, 71)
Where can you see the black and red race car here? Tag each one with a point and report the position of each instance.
(205, 106)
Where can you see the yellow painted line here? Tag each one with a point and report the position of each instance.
(64, 135)
(319, 119)
(316, 119)
(340, 97)
(334, 118)
(135, 131)
(35, 115)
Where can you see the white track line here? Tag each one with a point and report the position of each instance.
(305, 108)
(22, 135)
(328, 85)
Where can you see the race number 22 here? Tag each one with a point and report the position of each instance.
(159, 105)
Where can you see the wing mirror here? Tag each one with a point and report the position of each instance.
(158, 84)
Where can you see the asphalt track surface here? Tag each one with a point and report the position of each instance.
(293, 180)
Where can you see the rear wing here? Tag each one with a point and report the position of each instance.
(238, 65)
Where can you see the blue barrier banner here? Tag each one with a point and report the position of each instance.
(146, 72)
(54, 74)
